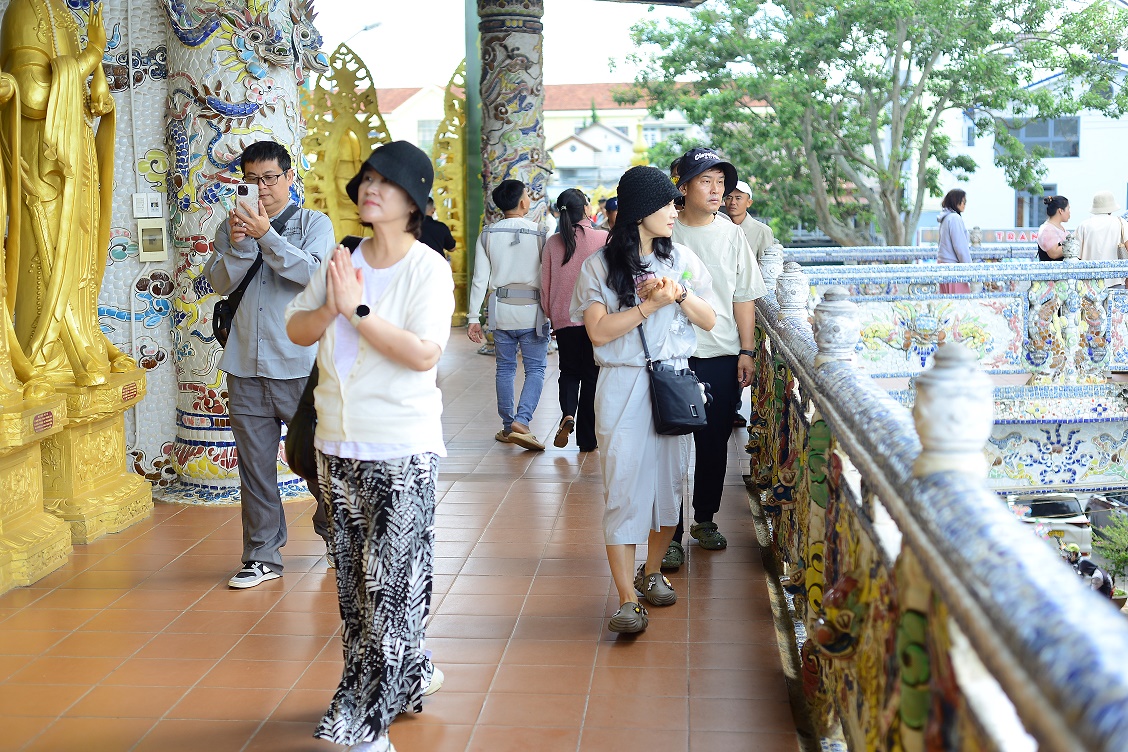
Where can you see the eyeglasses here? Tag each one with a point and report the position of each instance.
(267, 180)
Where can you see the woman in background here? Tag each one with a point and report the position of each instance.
(1052, 233)
(564, 254)
(955, 241)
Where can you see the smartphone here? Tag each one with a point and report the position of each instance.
(247, 194)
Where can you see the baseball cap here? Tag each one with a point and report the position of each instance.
(696, 161)
(612, 204)
(742, 187)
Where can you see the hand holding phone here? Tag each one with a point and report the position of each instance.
(248, 195)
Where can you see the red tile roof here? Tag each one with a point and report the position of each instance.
(580, 96)
(556, 97)
(390, 99)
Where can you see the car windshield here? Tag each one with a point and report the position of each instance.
(1054, 508)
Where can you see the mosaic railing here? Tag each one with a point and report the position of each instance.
(927, 617)
(904, 254)
(1055, 332)
(1058, 322)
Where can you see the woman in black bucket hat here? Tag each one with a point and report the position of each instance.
(640, 279)
(381, 314)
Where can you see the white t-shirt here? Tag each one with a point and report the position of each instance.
(735, 275)
(376, 281)
(379, 401)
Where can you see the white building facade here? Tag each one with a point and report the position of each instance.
(1088, 156)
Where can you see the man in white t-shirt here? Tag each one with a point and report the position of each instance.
(724, 356)
(737, 202)
(507, 264)
(760, 238)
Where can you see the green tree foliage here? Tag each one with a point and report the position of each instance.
(835, 106)
(1112, 541)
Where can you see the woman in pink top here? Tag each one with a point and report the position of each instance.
(1051, 235)
(564, 254)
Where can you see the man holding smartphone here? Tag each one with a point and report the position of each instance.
(276, 247)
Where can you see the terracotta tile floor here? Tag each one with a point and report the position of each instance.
(138, 644)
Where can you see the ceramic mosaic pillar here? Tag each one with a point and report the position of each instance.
(234, 68)
(512, 92)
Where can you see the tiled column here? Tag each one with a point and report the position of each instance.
(512, 90)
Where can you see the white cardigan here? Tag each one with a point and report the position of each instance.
(380, 401)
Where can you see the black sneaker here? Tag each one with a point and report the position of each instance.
(253, 573)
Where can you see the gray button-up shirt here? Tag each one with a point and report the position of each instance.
(258, 345)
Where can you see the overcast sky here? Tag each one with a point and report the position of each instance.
(411, 48)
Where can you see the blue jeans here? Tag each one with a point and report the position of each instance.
(534, 354)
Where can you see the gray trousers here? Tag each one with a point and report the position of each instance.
(258, 406)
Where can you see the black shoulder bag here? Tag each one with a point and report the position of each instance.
(677, 396)
(223, 314)
(300, 453)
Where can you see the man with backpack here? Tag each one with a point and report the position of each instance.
(507, 262)
(265, 254)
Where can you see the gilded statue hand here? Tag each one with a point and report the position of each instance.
(101, 103)
(96, 30)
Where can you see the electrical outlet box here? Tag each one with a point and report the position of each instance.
(152, 239)
(148, 205)
(155, 202)
(140, 205)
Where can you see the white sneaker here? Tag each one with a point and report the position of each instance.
(436, 682)
(383, 744)
(253, 573)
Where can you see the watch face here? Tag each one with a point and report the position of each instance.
(362, 310)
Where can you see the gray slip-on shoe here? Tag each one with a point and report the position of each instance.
(631, 618)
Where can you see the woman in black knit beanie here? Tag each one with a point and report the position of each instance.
(641, 279)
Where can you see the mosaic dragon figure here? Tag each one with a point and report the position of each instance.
(307, 41)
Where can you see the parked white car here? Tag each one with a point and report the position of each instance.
(1059, 516)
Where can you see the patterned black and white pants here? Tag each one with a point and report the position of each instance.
(382, 517)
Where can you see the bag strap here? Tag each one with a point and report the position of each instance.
(278, 224)
(352, 242)
(645, 349)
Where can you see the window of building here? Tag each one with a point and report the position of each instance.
(427, 131)
(969, 131)
(652, 133)
(1029, 211)
(1060, 137)
(622, 129)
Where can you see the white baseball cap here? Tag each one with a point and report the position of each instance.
(743, 187)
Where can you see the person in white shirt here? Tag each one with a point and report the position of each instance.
(760, 236)
(382, 317)
(724, 355)
(507, 262)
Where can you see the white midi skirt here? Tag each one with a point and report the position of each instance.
(644, 474)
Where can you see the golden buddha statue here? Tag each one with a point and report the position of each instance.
(18, 378)
(68, 185)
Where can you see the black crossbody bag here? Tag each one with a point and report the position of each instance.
(223, 314)
(678, 398)
(301, 455)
